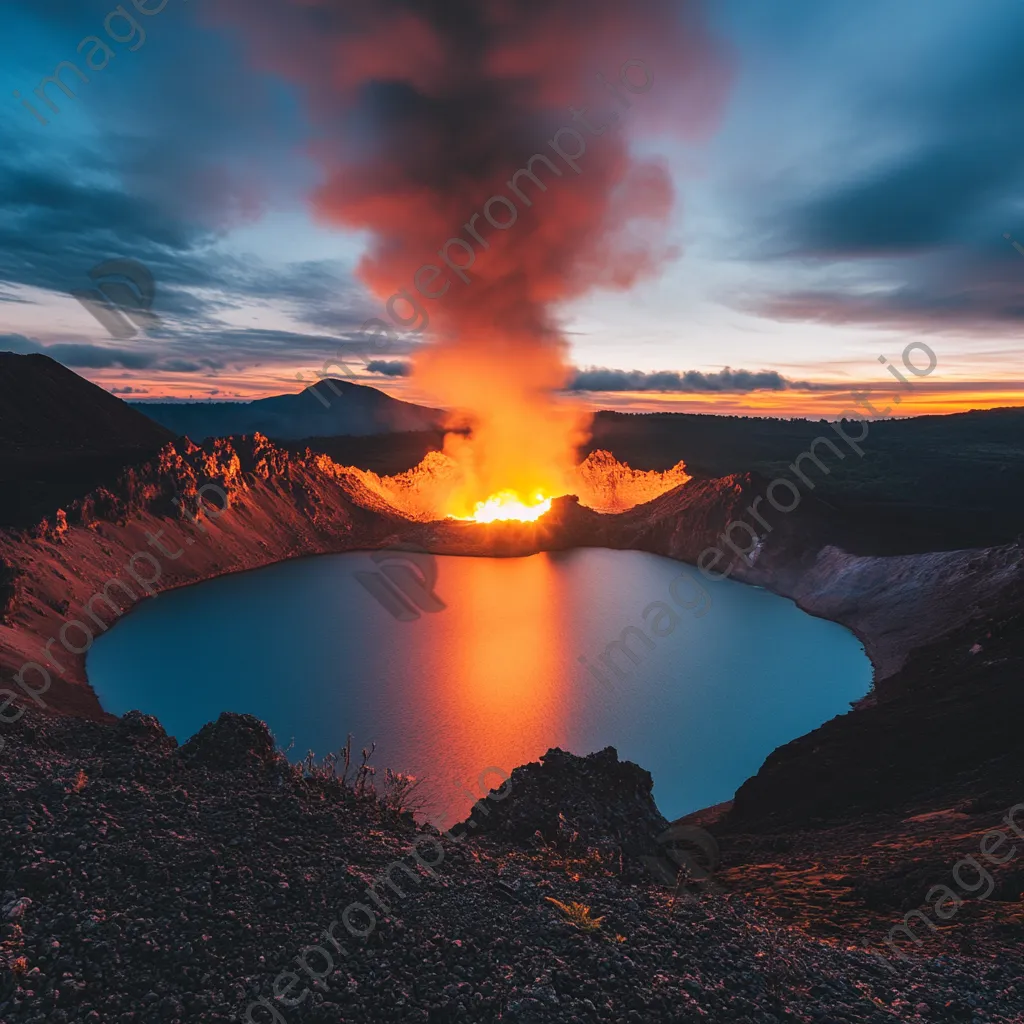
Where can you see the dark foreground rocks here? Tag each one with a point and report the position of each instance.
(145, 882)
(568, 802)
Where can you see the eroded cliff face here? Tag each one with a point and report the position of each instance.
(194, 512)
(165, 526)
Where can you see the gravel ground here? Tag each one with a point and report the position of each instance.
(142, 881)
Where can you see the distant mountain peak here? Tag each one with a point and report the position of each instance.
(330, 407)
(328, 383)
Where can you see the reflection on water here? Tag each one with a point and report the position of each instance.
(494, 677)
(497, 695)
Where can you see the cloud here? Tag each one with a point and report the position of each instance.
(188, 123)
(389, 367)
(886, 202)
(87, 356)
(64, 222)
(946, 293)
(211, 351)
(692, 381)
(129, 391)
(151, 180)
(81, 356)
(18, 343)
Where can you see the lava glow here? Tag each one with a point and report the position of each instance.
(437, 489)
(507, 505)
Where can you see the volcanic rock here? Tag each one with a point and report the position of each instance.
(10, 589)
(143, 731)
(189, 899)
(599, 802)
(235, 743)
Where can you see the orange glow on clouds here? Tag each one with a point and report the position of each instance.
(925, 400)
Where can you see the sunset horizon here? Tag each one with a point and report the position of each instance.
(798, 264)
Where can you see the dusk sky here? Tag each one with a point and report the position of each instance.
(852, 198)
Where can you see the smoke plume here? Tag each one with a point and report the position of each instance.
(425, 112)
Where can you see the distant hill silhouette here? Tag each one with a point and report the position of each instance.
(61, 436)
(928, 483)
(44, 405)
(356, 410)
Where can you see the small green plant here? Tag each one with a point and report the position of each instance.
(577, 914)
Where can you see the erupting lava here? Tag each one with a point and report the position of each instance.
(508, 505)
(601, 483)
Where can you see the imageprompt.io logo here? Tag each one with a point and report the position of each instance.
(122, 299)
(405, 584)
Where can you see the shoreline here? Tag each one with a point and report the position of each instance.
(574, 680)
(284, 507)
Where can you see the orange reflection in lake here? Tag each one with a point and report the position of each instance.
(502, 699)
(496, 676)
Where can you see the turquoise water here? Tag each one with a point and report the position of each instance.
(488, 673)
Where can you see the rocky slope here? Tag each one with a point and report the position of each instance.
(46, 406)
(146, 882)
(944, 729)
(154, 530)
(924, 483)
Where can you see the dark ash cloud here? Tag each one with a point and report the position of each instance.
(389, 367)
(690, 382)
